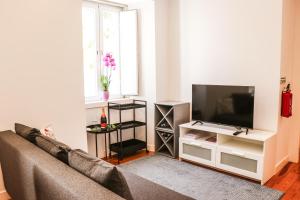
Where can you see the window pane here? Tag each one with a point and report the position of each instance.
(110, 38)
(89, 23)
(128, 41)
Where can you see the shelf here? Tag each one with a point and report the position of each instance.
(166, 143)
(164, 109)
(199, 141)
(128, 106)
(246, 147)
(168, 130)
(164, 124)
(128, 147)
(164, 116)
(257, 135)
(129, 124)
(96, 129)
(170, 103)
(168, 115)
(165, 152)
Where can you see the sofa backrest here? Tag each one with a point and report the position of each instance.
(32, 174)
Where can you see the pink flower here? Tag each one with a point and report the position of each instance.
(109, 61)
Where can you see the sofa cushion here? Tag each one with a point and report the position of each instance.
(55, 148)
(143, 189)
(27, 132)
(100, 171)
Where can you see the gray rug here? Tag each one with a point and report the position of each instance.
(198, 182)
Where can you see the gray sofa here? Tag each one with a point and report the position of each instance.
(32, 174)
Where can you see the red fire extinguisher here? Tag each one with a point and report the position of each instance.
(287, 98)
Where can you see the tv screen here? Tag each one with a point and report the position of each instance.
(228, 105)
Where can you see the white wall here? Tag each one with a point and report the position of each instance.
(41, 75)
(286, 146)
(234, 42)
(41, 67)
(163, 54)
(294, 141)
(222, 42)
(147, 58)
(228, 42)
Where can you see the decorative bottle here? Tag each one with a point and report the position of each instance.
(103, 119)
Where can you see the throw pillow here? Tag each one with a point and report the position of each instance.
(100, 171)
(55, 148)
(48, 131)
(27, 132)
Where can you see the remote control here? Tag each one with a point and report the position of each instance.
(237, 133)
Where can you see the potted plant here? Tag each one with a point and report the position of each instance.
(105, 79)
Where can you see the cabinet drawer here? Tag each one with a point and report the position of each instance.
(239, 162)
(198, 152)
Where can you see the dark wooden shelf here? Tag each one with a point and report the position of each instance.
(129, 124)
(128, 106)
(96, 129)
(128, 147)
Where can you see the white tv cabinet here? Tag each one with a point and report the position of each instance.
(251, 156)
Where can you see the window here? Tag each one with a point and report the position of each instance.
(103, 33)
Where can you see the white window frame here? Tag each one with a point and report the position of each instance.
(99, 46)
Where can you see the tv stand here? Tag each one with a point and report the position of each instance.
(198, 122)
(248, 155)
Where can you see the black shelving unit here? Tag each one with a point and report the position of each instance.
(128, 147)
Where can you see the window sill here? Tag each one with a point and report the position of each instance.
(102, 103)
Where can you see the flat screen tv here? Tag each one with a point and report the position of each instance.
(227, 105)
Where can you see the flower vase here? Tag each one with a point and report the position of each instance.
(105, 95)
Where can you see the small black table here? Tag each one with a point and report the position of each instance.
(97, 130)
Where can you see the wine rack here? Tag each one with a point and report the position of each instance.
(168, 115)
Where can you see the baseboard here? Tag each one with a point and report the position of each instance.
(151, 147)
(281, 164)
